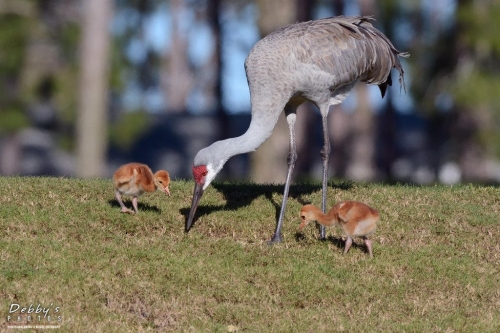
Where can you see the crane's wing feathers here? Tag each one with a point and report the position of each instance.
(349, 48)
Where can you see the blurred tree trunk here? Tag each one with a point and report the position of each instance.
(305, 116)
(214, 12)
(269, 161)
(93, 95)
(387, 126)
(29, 98)
(475, 130)
(176, 75)
(362, 145)
(338, 7)
(15, 17)
(338, 123)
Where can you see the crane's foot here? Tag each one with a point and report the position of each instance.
(276, 239)
(126, 210)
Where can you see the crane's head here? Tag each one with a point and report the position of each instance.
(203, 176)
(207, 164)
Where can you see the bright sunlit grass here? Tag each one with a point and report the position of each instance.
(64, 243)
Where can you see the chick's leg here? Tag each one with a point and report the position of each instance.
(134, 203)
(348, 243)
(368, 244)
(118, 197)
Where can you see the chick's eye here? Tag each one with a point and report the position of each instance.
(160, 182)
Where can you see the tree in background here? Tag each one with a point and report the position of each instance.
(475, 87)
(451, 76)
(268, 163)
(37, 75)
(93, 89)
(361, 162)
(177, 77)
(454, 82)
(14, 20)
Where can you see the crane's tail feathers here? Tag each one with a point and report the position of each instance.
(364, 21)
(401, 71)
(383, 86)
(399, 68)
(366, 18)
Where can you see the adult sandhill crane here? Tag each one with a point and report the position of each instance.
(317, 61)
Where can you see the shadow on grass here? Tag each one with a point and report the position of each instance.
(337, 241)
(239, 195)
(142, 207)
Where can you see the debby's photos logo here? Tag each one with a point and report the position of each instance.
(34, 316)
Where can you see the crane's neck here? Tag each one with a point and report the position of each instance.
(264, 117)
(221, 151)
(250, 140)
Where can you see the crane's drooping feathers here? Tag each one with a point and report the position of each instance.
(356, 219)
(134, 179)
(337, 50)
(317, 61)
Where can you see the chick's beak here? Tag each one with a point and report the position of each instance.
(303, 224)
(198, 192)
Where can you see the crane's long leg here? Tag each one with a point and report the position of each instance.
(292, 158)
(325, 154)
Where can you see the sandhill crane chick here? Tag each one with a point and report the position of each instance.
(354, 218)
(134, 179)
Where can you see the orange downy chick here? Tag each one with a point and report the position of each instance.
(354, 218)
(134, 179)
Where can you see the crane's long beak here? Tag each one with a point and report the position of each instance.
(198, 192)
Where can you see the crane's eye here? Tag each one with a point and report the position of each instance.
(205, 173)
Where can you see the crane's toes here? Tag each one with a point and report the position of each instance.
(276, 239)
(126, 210)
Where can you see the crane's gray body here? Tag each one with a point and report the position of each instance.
(317, 61)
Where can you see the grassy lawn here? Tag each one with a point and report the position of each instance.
(64, 245)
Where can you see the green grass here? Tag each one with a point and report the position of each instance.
(64, 242)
